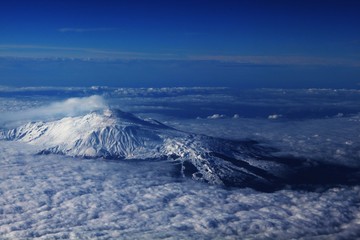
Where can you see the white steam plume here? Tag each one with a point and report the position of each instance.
(67, 108)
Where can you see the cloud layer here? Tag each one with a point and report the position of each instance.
(47, 196)
(56, 197)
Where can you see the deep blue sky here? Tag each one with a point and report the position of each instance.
(180, 43)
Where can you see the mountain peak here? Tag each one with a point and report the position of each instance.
(107, 112)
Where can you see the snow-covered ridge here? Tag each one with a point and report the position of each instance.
(114, 134)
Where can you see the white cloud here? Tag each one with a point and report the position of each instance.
(274, 116)
(216, 116)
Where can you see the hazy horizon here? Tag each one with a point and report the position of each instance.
(241, 44)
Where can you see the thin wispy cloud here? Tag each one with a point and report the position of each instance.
(56, 52)
(279, 60)
(81, 30)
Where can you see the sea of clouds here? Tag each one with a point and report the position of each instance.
(58, 197)
(52, 196)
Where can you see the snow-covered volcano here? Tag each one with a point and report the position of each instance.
(108, 134)
(114, 134)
